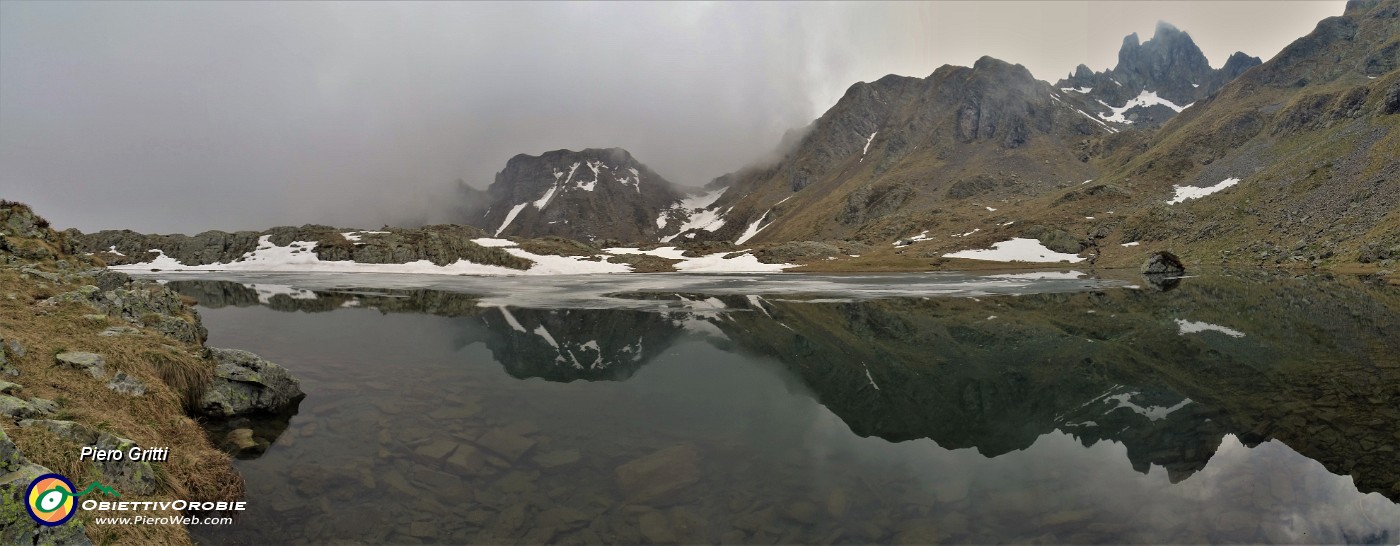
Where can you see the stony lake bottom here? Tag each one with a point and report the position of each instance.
(1059, 408)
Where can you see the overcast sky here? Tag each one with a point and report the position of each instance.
(180, 117)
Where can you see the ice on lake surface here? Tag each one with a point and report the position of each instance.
(819, 409)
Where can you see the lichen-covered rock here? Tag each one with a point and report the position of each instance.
(51, 277)
(16, 408)
(246, 384)
(92, 363)
(16, 527)
(126, 384)
(137, 477)
(85, 294)
(106, 279)
(16, 348)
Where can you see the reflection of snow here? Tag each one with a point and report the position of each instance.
(868, 377)
(1153, 413)
(267, 291)
(1040, 275)
(1192, 327)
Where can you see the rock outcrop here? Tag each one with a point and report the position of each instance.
(139, 302)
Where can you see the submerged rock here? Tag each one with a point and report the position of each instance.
(660, 475)
(246, 384)
(241, 442)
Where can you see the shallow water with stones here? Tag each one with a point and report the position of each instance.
(1231, 407)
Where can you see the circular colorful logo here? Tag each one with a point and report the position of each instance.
(50, 500)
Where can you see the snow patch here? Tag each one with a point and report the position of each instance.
(487, 241)
(708, 220)
(1016, 250)
(1193, 327)
(1145, 98)
(1134, 243)
(544, 199)
(689, 208)
(753, 228)
(922, 236)
(1185, 193)
(510, 217)
(866, 149)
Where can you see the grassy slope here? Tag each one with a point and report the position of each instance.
(173, 372)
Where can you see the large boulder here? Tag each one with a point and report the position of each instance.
(245, 384)
(1163, 263)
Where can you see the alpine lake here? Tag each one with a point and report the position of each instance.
(1063, 407)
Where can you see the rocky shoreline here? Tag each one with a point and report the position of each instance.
(88, 355)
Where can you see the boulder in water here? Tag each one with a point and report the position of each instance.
(245, 384)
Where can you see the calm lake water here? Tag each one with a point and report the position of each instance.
(797, 409)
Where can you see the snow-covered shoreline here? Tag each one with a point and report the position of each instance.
(300, 256)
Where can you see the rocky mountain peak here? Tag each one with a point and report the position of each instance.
(588, 194)
(1155, 79)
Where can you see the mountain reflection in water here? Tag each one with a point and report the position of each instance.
(1223, 383)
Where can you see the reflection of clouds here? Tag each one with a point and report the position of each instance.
(1307, 503)
(1289, 497)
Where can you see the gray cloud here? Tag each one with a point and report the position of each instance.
(189, 116)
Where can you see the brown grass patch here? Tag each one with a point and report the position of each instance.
(174, 373)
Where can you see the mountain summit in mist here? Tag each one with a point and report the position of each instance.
(585, 195)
